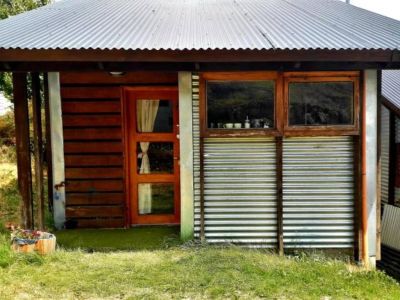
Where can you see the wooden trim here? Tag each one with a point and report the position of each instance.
(132, 137)
(140, 56)
(57, 149)
(378, 169)
(304, 130)
(302, 74)
(279, 194)
(22, 142)
(357, 198)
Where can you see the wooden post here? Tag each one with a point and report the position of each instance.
(38, 143)
(22, 140)
(48, 144)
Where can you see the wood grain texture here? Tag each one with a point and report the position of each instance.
(95, 198)
(94, 160)
(95, 186)
(91, 107)
(92, 120)
(93, 173)
(90, 92)
(93, 147)
(94, 211)
(88, 134)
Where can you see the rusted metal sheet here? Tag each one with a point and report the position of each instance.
(318, 192)
(200, 25)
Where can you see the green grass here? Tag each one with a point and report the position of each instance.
(191, 272)
(9, 196)
(143, 238)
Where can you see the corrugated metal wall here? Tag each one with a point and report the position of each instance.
(390, 227)
(240, 191)
(196, 153)
(385, 145)
(318, 192)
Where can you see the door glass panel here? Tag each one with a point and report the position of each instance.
(155, 157)
(154, 115)
(156, 198)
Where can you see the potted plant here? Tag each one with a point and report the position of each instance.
(26, 241)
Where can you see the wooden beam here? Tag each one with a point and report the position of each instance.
(23, 154)
(378, 169)
(57, 150)
(198, 56)
(38, 146)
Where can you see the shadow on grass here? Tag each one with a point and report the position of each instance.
(106, 240)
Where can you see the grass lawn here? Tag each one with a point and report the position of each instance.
(142, 238)
(151, 263)
(190, 272)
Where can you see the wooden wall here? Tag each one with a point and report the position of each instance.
(94, 163)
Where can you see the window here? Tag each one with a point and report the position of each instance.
(321, 103)
(240, 104)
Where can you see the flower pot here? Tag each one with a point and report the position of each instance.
(46, 245)
(42, 243)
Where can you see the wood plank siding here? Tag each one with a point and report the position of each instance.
(93, 144)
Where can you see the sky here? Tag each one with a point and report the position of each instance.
(389, 8)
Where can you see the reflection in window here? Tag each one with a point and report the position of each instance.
(321, 103)
(159, 160)
(156, 198)
(240, 104)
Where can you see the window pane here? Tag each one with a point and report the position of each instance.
(240, 104)
(155, 158)
(321, 103)
(154, 115)
(156, 198)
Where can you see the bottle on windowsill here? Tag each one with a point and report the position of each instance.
(247, 122)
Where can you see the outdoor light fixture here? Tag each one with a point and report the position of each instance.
(117, 74)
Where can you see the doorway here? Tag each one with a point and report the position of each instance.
(152, 155)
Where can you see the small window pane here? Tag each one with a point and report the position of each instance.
(159, 160)
(321, 103)
(156, 198)
(154, 115)
(240, 104)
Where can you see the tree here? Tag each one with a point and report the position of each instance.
(9, 8)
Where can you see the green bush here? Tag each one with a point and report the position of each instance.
(7, 128)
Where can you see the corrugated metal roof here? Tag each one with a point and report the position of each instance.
(391, 86)
(200, 25)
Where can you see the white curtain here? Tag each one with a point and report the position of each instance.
(146, 115)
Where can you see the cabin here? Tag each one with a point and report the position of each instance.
(249, 122)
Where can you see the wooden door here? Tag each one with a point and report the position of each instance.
(152, 155)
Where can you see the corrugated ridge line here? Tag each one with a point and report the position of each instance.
(385, 133)
(390, 226)
(318, 192)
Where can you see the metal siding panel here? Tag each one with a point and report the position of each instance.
(240, 191)
(196, 152)
(391, 86)
(200, 25)
(385, 133)
(390, 226)
(318, 192)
